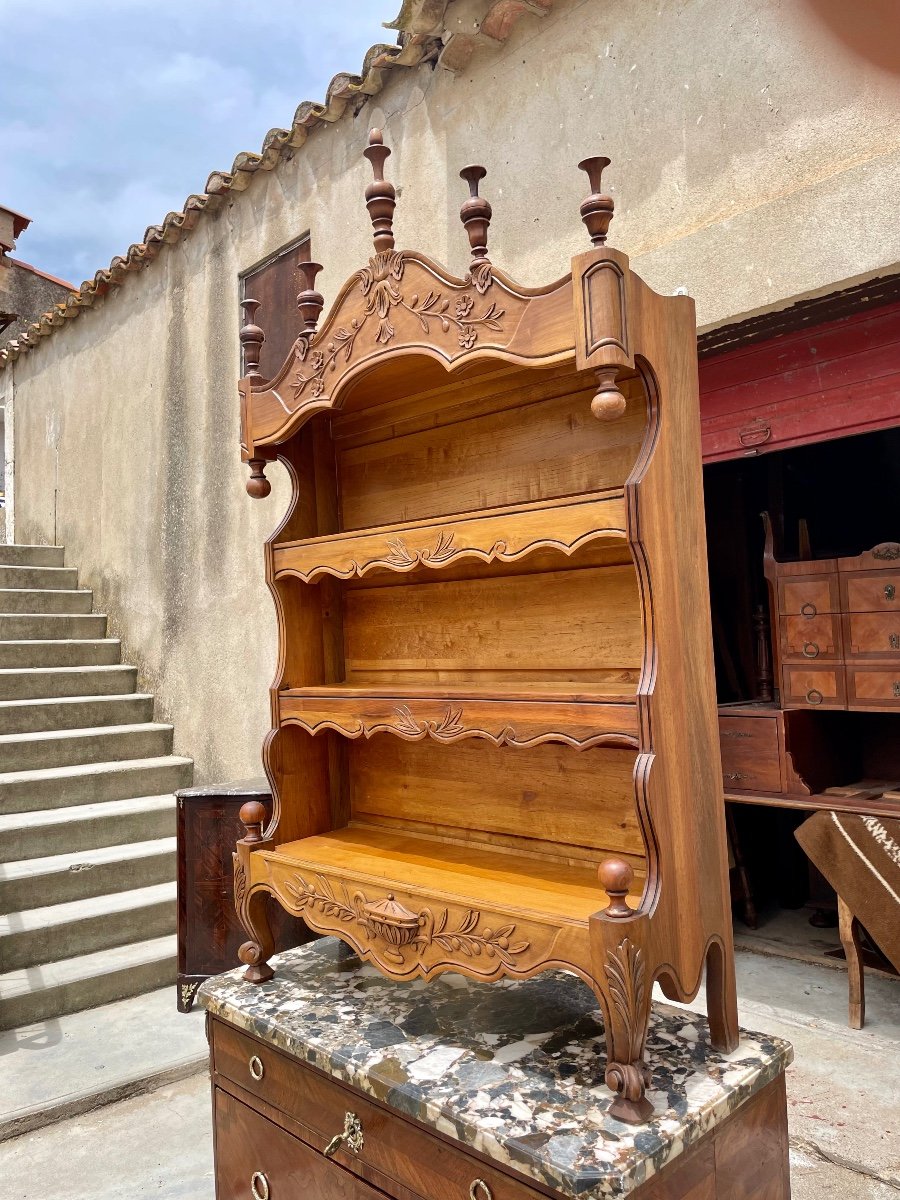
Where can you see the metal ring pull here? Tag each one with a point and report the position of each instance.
(352, 1134)
(814, 696)
(810, 650)
(479, 1190)
(257, 1070)
(808, 610)
(259, 1186)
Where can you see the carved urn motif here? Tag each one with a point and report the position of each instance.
(394, 924)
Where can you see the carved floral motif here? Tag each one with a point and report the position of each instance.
(378, 283)
(402, 931)
(626, 974)
(887, 551)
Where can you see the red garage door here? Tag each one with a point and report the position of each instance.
(838, 378)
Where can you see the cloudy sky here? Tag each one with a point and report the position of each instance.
(113, 111)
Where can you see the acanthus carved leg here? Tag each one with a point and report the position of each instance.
(253, 916)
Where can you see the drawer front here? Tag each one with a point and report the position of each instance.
(809, 595)
(256, 1160)
(396, 1148)
(872, 635)
(874, 686)
(871, 591)
(813, 687)
(811, 637)
(750, 756)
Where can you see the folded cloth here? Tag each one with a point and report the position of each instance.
(860, 858)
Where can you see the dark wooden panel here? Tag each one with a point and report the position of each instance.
(275, 285)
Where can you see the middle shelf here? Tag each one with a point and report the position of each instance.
(508, 716)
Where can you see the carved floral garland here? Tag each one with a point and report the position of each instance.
(378, 283)
(417, 930)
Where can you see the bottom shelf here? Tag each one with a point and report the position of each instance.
(453, 871)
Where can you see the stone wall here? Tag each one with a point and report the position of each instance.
(753, 162)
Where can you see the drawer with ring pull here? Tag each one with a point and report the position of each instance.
(257, 1160)
(809, 595)
(813, 687)
(816, 637)
(355, 1133)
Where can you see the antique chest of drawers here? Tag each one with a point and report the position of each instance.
(333, 1081)
(836, 627)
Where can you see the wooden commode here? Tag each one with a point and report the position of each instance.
(331, 1083)
(494, 740)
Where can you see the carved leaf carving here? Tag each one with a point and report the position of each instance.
(626, 973)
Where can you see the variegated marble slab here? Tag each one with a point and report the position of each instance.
(511, 1069)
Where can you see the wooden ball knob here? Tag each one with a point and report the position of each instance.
(257, 485)
(253, 816)
(616, 877)
(609, 403)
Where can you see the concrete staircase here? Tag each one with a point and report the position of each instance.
(87, 815)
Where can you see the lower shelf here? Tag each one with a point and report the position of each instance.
(453, 871)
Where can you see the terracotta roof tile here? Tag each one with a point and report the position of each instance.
(422, 34)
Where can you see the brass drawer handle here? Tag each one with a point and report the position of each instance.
(889, 591)
(352, 1134)
(479, 1190)
(894, 641)
(810, 650)
(814, 696)
(257, 1070)
(808, 610)
(259, 1186)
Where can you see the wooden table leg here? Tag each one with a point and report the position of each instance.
(848, 927)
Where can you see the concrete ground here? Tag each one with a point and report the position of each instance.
(843, 1106)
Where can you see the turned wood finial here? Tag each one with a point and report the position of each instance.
(608, 403)
(251, 338)
(257, 485)
(475, 213)
(616, 877)
(597, 209)
(380, 195)
(309, 301)
(253, 816)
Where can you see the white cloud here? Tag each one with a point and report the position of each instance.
(112, 112)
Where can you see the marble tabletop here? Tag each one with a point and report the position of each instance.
(512, 1069)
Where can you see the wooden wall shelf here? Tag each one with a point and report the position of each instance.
(494, 744)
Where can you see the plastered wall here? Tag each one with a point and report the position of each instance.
(754, 161)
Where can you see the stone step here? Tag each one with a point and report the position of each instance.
(89, 783)
(38, 577)
(31, 882)
(45, 935)
(77, 747)
(52, 626)
(51, 652)
(73, 712)
(32, 556)
(85, 827)
(47, 683)
(31, 994)
(46, 600)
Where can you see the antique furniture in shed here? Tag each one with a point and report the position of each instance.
(209, 933)
(495, 676)
(836, 628)
(447, 1094)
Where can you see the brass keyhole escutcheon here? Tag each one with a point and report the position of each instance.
(894, 641)
(259, 1186)
(897, 687)
(257, 1070)
(479, 1190)
(808, 610)
(810, 650)
(814, 696)
(889, 591)
(351, 1136)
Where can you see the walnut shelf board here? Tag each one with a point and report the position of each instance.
(504, 535)
(450, 714)
(449, 872)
